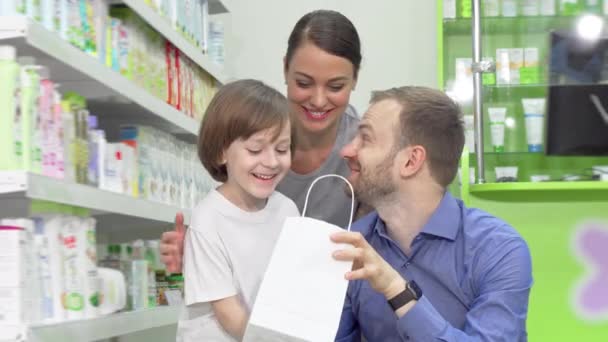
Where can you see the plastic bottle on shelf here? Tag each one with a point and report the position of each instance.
(43, 156)
(569, 7)
(216, 42)
(530, 8)
(509, 8)
(57, 134)
(547, 7)
(33, 10)
(12, 7)
(80, 151)
(11, 156)
(153, 260)
(30, 88)
(593, 6)
(96, 143)
(69, 141)
(139, 276)
(491, 8)
(123, 253)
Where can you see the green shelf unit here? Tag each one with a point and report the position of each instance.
(507, 25)
(529, 164)
(540, 186)
(551, 215)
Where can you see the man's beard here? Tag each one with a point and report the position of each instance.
(376, 185)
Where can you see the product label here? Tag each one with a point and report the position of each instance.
(529, 75)
(498, 135)
(10, 306)
(74, 302)
(509, 8)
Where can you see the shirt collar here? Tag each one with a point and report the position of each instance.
(444, 223)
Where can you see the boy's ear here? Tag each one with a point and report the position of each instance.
(222, 158)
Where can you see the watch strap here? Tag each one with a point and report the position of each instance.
(404, 297)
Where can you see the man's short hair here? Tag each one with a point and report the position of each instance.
(431, 119)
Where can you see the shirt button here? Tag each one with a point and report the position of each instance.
(407, 264)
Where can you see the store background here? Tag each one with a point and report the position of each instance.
(400, 46)
(398, 38)
(399, 43)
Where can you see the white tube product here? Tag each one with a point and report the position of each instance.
(13, 297)
(547, 7)
(469, 132)
(497, 127)
(81, 284)
(52, 231)
(534, 111)
(509, 8)
(491, 8)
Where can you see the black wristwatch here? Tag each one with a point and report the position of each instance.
(411, 292)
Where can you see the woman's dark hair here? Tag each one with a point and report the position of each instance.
(331, 32)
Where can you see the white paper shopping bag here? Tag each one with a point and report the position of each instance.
(302, 293)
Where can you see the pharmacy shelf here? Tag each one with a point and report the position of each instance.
(163, 26)
(508, 25)
(121, 99)
(18, 188)
(540, 186)
(105, 327)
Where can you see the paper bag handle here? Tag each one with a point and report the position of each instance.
(352, 197)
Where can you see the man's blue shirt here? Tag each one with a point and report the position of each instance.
(475, 273)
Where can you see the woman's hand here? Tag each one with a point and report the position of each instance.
(172, 246)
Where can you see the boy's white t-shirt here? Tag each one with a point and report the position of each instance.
(226, 252)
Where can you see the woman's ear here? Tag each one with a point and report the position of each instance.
(285, 69)
(222, 158)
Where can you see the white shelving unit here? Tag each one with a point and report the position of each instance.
(17, 188)
(116, 100)
(163, 26)
(105, 327)
(78, 71)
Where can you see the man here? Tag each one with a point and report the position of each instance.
(426, 268)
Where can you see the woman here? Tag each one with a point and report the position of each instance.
(320, 67)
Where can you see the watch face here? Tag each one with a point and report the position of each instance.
(415, 289)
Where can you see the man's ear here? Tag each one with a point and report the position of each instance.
(412, 160)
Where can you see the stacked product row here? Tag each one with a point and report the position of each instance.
(191, 19)
(50, 274)
(121, 40)
(53, 134)
(528, 8)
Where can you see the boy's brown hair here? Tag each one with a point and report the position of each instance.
(237, 111)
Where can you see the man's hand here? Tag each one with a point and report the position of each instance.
(368, 264)
(172, 246)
